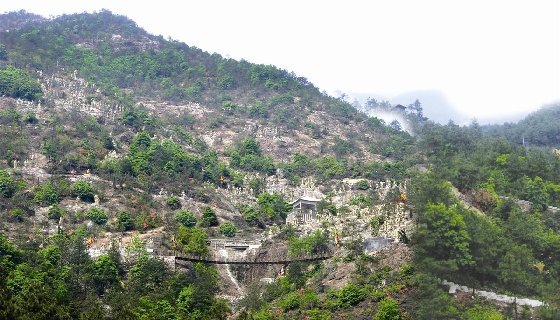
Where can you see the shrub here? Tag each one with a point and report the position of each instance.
(362, 185)
(55, 212)
(388, 309)
(30, 117)
(17, 214)
(173, 203)
(83, 190)
(250, 215)
(124, 221)
(97, 215)
(351, 295)
(209, 218)
(46, 195)
(376, 223)
(186, 218)
(7, 184)
(228, 229)
(291, 301)
(194, 240)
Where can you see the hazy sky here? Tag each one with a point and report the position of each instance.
(487, 57)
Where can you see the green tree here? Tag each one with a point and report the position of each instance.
(483, 313)
(515, 266)
(537, 193)
(7, 184)
(209, 218)
(9, 257)
(193, 301)
(106, 272)
(97, 215)
(124, 221)
(194, 240)
(55, 212)
(228, 229)
(351, 295)
(46, 195)
(388, 309)
(149, 310)
(186, 218)
(173, 202)
(442, 241)
(84, 190)
(272, 206)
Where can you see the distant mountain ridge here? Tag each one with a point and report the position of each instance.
(540, 128)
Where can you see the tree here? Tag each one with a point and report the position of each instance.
(186, 218)
(55, 212)
(3, 52)
(388, 309)
(83, 190)
(124, 221)
(159, 310)
(7, 184)
(273, 206)
(147, 275)
(173, 202)
(442, 240)
(106, 272)
(9, 256)
(209, 218)
(515, 268)
(351, 295)
(194, 240)
(193, 300)
(537, 193)
(97, 215)
(228, 229)
(46, 195)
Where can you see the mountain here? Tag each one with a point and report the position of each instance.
(540, 128)
(144, 178)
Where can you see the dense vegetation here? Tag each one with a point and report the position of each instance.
(537, 129)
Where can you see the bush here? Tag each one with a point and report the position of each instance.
(7, 184)
(173, 203)
(209, 218)
(186, 218)
(124, 221)
(83, 190)
(97, 215)
(228, 229)
(291, 301)
(388, 309)
(30, 117)
(351, 295)
(251, 216)
(362, 185)
(194, 240)
(55, 212)
(46, 195)
(17, 214)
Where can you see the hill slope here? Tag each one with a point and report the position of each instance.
(540, 128)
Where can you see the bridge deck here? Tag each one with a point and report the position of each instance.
(215, 260)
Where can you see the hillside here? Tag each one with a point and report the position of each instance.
(540, 128)
(120, 150)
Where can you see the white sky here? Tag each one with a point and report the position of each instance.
(487, 57)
